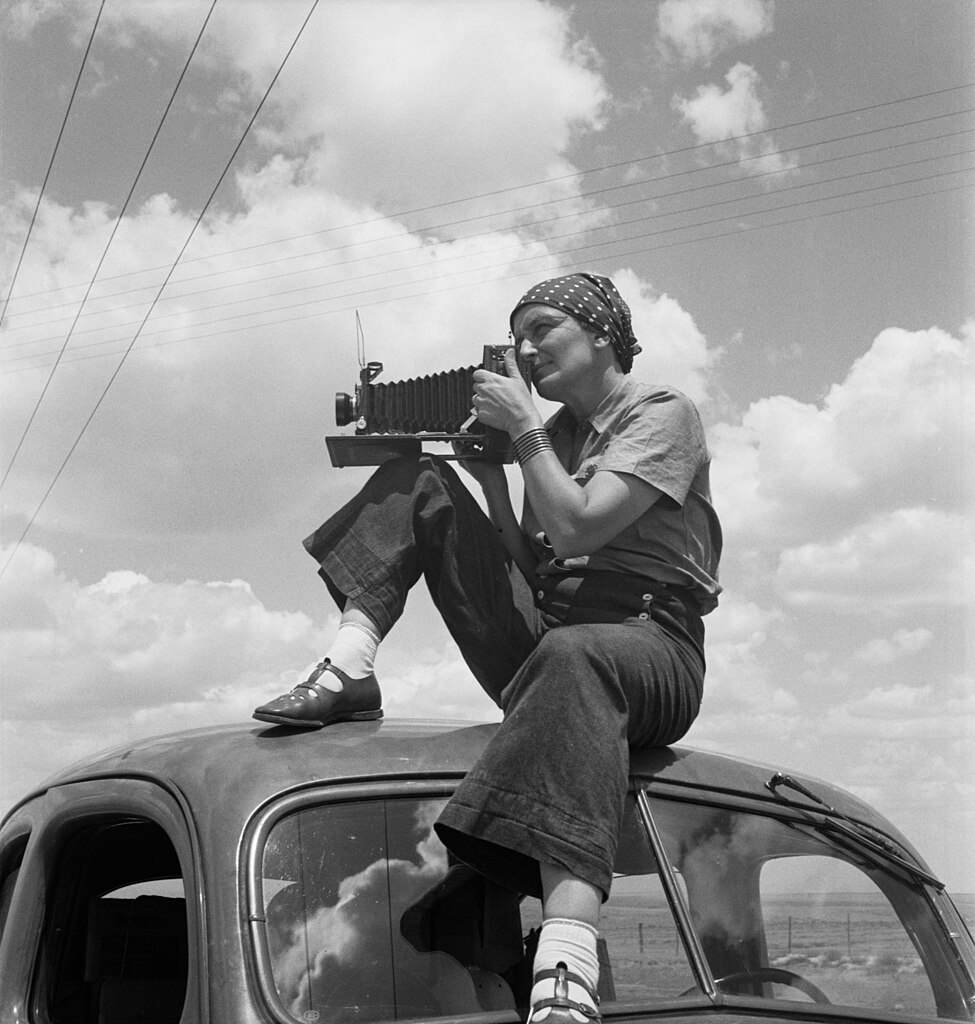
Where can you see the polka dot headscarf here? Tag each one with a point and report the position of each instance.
(592, 300)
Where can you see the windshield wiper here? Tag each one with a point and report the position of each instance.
(865, 838)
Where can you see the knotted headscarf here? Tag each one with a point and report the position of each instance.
(592, 300)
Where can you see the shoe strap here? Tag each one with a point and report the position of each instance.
(561, 998)
(312, 684)
(566, 975)
(563, 1004)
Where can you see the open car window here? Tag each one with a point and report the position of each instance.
(115, 949)
(784, 913)
(369, 919)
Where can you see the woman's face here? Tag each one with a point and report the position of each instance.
(559, 351)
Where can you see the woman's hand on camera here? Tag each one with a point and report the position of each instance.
(504, 402)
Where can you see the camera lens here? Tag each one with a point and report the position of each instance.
(344, 408)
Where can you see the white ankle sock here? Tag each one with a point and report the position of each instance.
(574, 944)
(353, 651)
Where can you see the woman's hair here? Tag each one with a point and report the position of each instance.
(595, 303)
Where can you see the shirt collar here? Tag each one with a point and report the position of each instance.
(604, 413)
(608, 408)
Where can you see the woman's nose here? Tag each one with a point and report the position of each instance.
(526, 350)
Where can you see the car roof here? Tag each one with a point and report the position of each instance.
(252, 764)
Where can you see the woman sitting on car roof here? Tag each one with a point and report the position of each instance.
(582, 621)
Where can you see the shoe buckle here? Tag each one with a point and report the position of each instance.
(561, 981)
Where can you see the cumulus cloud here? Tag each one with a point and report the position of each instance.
(906, 745)
(901, 706)
(21, 18)
(891, 437)
(272, 320)
(372, 73)
(715, 115)
(128, 656)
(698, 30)
(887, 650)
(675, 351)
(908, 751)
(910, 557)
(735, 116)
(745, 702)
(351, 91)
(127, 643)
(848, 563)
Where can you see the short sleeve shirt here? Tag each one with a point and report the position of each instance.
(653, 433)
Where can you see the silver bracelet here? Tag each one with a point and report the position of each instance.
(529, 444)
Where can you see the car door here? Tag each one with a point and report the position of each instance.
(101, 908)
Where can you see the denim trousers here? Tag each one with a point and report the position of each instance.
(582, 671)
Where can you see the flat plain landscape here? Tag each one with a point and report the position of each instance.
(850, 945)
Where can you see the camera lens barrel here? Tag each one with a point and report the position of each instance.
(345, 410)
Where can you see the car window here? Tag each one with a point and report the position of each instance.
(368, 918)
(782, 912)
(115, 948)
(349, 932)
(824, 920)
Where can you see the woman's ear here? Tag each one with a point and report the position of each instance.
(601, 341)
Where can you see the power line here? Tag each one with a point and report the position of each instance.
(554, 260)
(50, 166)
(125, 354)
(557, 255)
(579, 173)
(790, 220)
(101, 259)
(652, 156)
(608, 227)
(536, 222)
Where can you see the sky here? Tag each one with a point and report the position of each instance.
(783, 192)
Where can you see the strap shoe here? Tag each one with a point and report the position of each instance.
(310, 705)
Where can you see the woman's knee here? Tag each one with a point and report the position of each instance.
(565, 653)
(565, 669)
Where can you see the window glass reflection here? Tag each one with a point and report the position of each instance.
(367, 918)
(337, 880)
(784, 913)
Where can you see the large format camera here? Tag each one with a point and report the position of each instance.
(394, 419)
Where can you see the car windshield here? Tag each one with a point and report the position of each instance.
(368, 918)
(782, 912)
